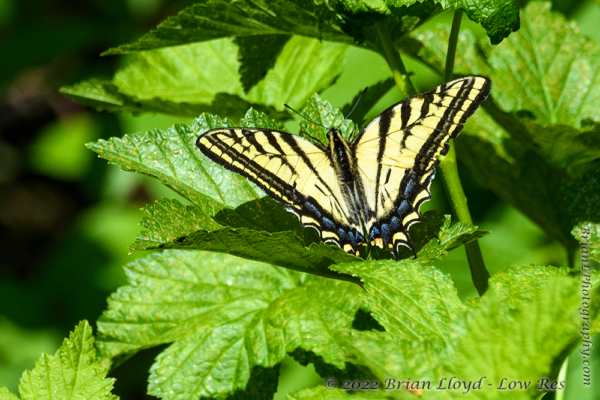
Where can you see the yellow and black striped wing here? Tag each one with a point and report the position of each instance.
(291, 170)
(397, 152)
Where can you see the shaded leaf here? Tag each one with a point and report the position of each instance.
(345, 22)
(173, 158)
(257, 55)
(72, 373)
(582, 193)
(266, 215)
(283, 249)
(224, 316)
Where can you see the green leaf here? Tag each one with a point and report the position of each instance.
(72, 373)
(304, 66)
(283, 249)
(588, 234)
(174, 159)
(514, 286)
(411, 300)
(498, 17)
(168, 220)
(392, 360)
(105, 96)
(320, 116)
(6, 394)
(540, 128)
(525, 344)
(169, 80)
(347, 22)
(582, 193)
(257, 55)
(208, 20)
(224, 316)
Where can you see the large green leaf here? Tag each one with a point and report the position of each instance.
(106, 96)
(182, 80)
(173, 158)
(539, 130)
(72, 373)
(209, 20)
(225, 317)
(304, 66)
(340, 21)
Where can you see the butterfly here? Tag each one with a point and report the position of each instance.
(372, 185)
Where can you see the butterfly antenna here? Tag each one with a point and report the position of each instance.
(351, 111)
(309, 120)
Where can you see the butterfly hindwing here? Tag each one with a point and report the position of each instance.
(397, 152)
(291, 170)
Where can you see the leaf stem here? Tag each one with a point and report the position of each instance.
(456, 194)
(394, 61)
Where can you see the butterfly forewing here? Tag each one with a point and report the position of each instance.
(397, 152)
(290, 169)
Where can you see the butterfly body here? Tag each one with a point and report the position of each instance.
(372, 185)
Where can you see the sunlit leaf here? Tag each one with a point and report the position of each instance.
(72, 373)
(173, 158)
(224, 317)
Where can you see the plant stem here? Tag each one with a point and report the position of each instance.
(562, 376)
(394, 61)
(479, 273)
